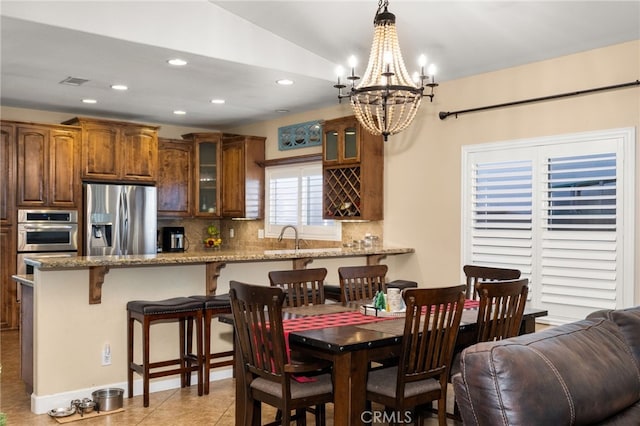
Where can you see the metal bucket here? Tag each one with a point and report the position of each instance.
(108, 399)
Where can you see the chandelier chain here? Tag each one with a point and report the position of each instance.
(382, 5)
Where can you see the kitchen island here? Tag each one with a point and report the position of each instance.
(79, 309)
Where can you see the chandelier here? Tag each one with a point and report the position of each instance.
(387, 99)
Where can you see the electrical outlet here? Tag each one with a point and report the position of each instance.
(232, 233)
(260, 233)
(106, 354)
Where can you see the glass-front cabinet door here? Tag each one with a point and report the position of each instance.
(341, 142)
(350, 147)
(331, 145)
(208, 182)
(207, 173)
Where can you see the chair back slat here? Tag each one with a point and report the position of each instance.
(302, 287)
(476, 274)
(266, 375)
(501, 309)
(361, 282)
(431, 328)
(257, 313)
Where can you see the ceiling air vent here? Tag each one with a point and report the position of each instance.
(74, 81)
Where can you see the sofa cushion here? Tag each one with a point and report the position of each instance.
(579, 373)
(628, 417)
(628, 320)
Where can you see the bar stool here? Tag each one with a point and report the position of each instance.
(402, 284)
(213, 307)
(181, 309)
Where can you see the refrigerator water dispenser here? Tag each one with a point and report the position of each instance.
(101, 235)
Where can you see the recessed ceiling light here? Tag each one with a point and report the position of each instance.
(89, 101)
(119, 87)
(179, 112)
(177, 62)
(217, 101)
(285, 82)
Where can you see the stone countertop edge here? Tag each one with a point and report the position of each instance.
(53, 263)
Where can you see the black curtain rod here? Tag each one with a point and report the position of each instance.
(444, 115)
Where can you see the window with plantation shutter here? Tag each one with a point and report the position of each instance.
(558, 209)
(294, 197)
(501, 214)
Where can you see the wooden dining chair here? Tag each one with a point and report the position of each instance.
(302, 287)
(430, 330)
(501, 309)
(500, 314)
(268, 374)
(477, 273)
(361, 282)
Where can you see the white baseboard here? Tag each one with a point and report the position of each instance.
(43, 403)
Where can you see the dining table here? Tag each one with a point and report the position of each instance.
(351, 341)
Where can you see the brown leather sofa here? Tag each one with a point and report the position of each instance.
(583, 373)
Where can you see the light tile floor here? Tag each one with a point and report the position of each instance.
(170, 408)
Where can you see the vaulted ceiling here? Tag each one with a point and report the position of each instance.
(236, 50)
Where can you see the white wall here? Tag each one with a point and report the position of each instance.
(422, 169)
(70, 333)
(422, 164)
(422, 183)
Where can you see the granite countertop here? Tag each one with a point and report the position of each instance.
(50, 263)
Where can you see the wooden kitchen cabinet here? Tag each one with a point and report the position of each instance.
(353, 171)
(243, 176)
(206, 176)
(341, 141)
(175, 178)
(9, 306)
(117, 151)
(7, 174)
(48, 166)
(9, 310)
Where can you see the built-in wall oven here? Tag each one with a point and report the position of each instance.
(46, 233)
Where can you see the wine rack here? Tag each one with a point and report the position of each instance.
(353, 169)
(342, 192)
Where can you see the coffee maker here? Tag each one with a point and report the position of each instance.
(173, 239)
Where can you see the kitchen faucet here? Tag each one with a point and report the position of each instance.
(296, 234)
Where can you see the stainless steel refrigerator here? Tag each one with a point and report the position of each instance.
(120, 219)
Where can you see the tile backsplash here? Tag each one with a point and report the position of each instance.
(246, 234)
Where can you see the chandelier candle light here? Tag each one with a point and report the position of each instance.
(387, 99)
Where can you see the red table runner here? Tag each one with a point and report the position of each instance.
(326, 321)
(339, 319)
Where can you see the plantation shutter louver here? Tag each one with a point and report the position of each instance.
(283, 190)
(501, 215)
(555, 209)
(579, 241)
(294, 197)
